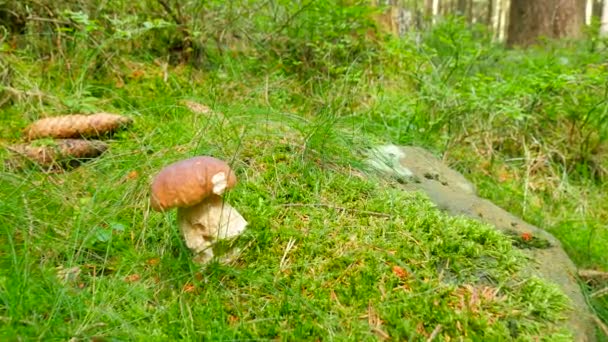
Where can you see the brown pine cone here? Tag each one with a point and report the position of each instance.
(76, 126)
(61, 152)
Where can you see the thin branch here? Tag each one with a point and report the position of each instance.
(24, 93)
(48, 20)
(168, 9)
(600, 293)
(593, 274)
(320, 205)
(288, 248)
(288, 21)
(435, 332)
(601, 324)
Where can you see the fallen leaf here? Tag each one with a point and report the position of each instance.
(373, 319)
(475, 298)
(137, 74)
(189, 288)
(485, 167)
(399, 272)
(197, 108)
(232, 319)
(132, 175)
(132, 278)
(334, 297)
(153, 261)
(68, 274)
(503, 176)
(119, 83)
(420, 329)
(404, 287)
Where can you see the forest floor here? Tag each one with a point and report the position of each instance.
(331, 251)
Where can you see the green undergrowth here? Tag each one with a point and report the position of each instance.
(528, 127)
(329, 252)
(298, 94)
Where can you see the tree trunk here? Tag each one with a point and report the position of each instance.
(461, 7)
(588, 11)
(502, 11)
(470, 18)
(435, 8)
(431, 9)
(490, 14)
(428, 8)
(531, 20)
(604, 25)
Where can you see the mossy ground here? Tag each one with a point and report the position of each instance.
(331, 253)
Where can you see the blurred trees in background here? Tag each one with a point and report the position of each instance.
(201, 30)
(516, 22)
(530, 20)
(604, 24)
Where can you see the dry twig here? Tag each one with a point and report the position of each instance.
(593, 274)
(435, 332)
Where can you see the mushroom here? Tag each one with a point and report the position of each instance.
(194, 186)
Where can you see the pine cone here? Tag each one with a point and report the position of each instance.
(76, 126)
(61, 152)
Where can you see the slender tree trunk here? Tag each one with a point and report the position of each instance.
(428, 8)
(432, 9)
(386, 20)
(588, 11)
(461, 7)
(504, 21)
(604, 25)
(490, 14)
(435, 8)
(531, 20)
(418, 15)
(502, 17)
(497, 19)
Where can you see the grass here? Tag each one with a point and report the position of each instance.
(330, 253)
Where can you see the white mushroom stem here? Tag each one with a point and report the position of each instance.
(205, 223)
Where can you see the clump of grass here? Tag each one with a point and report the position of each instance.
(330, 253)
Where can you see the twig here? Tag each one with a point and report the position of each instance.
(372, 213)
(600, 293)
(381, 333)
(28, 93)
(187, 40)
(169, 11)
(435, 332)
(601, 324)
(291, 17)
(48, 20)
(592, 274)
(288, 248)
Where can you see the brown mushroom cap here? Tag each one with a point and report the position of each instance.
(190, 181)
